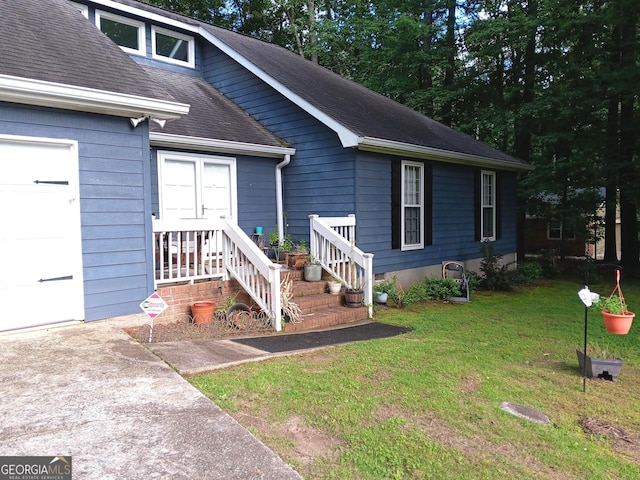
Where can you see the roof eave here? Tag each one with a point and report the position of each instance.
(71, 97)
(167, 140)
(380, 145)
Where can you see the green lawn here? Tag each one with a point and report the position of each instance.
(426, 404)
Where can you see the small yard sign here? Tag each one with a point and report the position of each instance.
(153, 306)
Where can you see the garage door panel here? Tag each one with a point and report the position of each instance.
(40, 245)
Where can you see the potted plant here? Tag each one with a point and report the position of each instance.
(280, 247)
(202, 312)
(312, 269)
(354, 294)
(385, 289)
(615, 313)
(600, 362)
(334, 285)
(297, 256)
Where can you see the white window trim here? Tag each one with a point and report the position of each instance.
(562, 234)
(412, 246)
(549, 228)
(164, 155)
(493, 206)
(83, 9)
(190, 41)
(142, 43)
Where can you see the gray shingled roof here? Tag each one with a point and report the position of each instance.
(360, 110)
(50, 40)
(364, 112)
(212, 115)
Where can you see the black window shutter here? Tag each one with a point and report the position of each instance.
(396, 204)
(428, 204)
(477, 203)
(498, 205)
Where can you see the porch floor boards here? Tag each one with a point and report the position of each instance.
(319, 308)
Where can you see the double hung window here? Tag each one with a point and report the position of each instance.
(412, 205)
(488, 205)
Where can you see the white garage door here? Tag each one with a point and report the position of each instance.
(40, 243)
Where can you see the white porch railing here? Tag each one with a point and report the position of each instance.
(187, 250)
(332, 243)
(200, 249)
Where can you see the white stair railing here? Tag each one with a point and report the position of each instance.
(258, 275)
(332, 243)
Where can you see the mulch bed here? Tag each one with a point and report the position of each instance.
(184, 329)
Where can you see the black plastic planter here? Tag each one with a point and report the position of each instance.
(605, 368)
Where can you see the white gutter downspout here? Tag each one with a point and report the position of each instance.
(279, 195)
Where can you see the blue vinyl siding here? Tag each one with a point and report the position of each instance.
(453, 215)
(114, 172)
(321, 177)
(256, 193)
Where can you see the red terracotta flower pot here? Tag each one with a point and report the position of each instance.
(202, 312)
(619, 324)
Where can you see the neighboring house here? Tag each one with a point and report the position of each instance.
(162, 115)
(551, 237)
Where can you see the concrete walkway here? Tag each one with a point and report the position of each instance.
(91, 392)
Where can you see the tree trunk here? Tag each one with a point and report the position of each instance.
(446, 113)
(313, 34)
(629, 184)
(523, 125)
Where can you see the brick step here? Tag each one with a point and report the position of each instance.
(305, 289)
(329, 317)
(319, 308)
(319, 302)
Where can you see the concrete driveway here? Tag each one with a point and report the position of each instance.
(90, 391)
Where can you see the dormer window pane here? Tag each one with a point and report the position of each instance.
(123, 35)
(126, 32)
(171, 47)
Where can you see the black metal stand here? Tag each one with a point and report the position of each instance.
(586, 325)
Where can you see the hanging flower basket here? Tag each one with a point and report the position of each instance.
(616, 315)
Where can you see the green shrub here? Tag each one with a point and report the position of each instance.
(530, 271)
(549, 263)
(494, 276)
(416, 293)
(432, 288)
(474, 281)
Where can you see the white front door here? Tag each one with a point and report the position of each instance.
(196, 186)
(40, 242)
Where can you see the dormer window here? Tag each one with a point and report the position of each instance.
(172, 47)
(127, 33)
